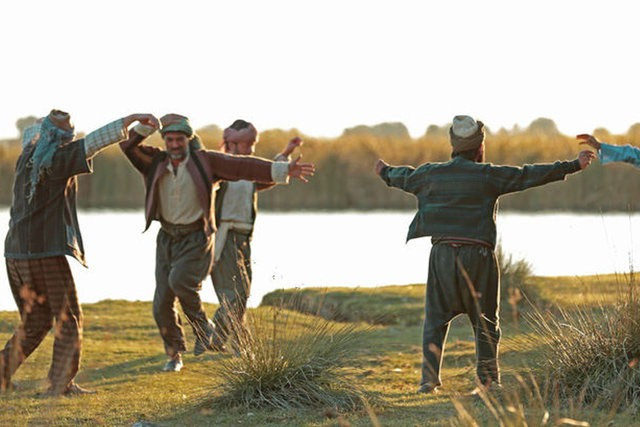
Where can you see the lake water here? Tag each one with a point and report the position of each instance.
(342, 249)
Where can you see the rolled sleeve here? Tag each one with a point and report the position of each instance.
(107, 135)
(280, 172)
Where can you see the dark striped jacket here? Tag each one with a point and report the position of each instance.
(459, 198)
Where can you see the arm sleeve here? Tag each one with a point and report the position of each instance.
(107, 135)
(402, 177)
(508, 179)
(140, 156)
(619, 153)
(261, 186)
(232, 168)
(70, 160)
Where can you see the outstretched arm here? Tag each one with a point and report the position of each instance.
(232, 168)
(396, 176)
(612, 153)
(508, 179)
(115, 132)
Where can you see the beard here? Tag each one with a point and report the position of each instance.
(178, 155)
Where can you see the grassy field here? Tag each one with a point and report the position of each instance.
(122, 359)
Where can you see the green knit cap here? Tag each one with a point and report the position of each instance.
(176, 123)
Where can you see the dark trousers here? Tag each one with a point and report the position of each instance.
(183, 261)
(462, 279)
(231, 277)
(44, 291)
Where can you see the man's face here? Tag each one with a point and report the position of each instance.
(242, 147)
(177, 144)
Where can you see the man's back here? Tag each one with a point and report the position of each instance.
(458, 198)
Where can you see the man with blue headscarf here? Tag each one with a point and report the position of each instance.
(42, 230)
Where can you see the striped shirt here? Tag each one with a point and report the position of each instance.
(459, 198)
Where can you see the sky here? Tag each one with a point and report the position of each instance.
(322, 66)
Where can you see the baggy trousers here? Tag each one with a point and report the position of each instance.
(462, 279)
(44, 291)
(231, 277)
(183, 261)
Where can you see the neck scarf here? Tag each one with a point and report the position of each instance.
(47, 140)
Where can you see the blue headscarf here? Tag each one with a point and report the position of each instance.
(47, 139)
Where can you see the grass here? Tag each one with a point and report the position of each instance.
(123, 355)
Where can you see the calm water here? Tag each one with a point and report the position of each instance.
(342, 249)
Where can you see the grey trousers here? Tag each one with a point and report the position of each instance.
(231, 277)
(462, 279)
(182, 263)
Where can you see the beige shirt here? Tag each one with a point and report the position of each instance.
(178, 196)
(237, 205)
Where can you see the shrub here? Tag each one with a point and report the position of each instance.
(286, 360)
(594, 352)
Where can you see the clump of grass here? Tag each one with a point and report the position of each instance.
(525, 403)
(286, 360)
(513, 280)
(593, 352)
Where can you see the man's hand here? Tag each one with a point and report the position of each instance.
(379, 165)
(301, 170)
(291, 146)
(145, 119)
(589, 140)
(585, 158)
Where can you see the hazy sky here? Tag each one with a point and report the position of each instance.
(322, 66)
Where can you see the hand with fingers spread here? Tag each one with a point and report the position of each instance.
(585, 158)
(589, 140)
(301, 170)
(379, 165)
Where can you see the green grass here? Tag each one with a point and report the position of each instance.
(123, 355)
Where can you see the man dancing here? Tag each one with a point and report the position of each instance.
(457, 205)
(42, 230)
(179, 182)
(236, 206)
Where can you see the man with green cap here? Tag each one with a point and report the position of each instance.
(457, 205)
(42, 231)
(179, 182)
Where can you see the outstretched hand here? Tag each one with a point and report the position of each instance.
(379, 165)
(589, 140)
(585, 158)
(301, 170)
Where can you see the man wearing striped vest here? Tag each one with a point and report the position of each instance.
(236, 208)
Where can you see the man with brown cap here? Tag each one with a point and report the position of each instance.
(457, 205)
(179, 182)
(42, 230)
(236, 207)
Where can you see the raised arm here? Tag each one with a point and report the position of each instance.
(114, 132)
(508, 179)
(284, 156)
(140, 156)
(612, 153)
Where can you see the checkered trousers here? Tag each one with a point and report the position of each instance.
(44, 291)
